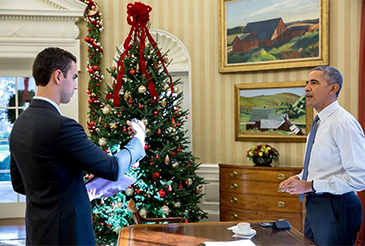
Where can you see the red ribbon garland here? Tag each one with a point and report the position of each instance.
(138, 17)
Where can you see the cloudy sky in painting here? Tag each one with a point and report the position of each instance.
(239, 13)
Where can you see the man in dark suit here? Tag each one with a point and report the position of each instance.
(49, 153)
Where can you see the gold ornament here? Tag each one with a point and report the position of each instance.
(176, 89)
(163, 103)
(145, 122)
(105, 110)
(171, 131)
(129, 191)
(126, 95)
(113, 125)
(143, 212)
(165, 87)
(167, 159)
(92, 12)
(142, 89)
(190, 181)
(165, 210)
(198, 190)
(175, 164)
(102, 142)
(177, 204)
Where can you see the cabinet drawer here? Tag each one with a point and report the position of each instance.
(261, 202)
(229, 214)
(254, 174)
(251, 187)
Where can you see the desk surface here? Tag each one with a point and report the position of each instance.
(197, 233)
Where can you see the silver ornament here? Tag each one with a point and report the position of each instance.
(165, 209)
(129, 191)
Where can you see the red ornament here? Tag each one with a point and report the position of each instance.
(145, 147)
(90, 101)
(170, 188)
(102, 201)
(189, 164)
(180, 186)
(140, 106)
(111, 214)
(179, 149)
(138, 191)
(159, 131)
(156, 175)
(124, 129)
(155, 113)
(162, 193)
(132, 72)
(152, 163)
(95, 67)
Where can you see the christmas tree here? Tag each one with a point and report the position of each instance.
(167, 184)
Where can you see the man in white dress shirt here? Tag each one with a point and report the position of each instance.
(336, 165)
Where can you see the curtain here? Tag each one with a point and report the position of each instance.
(361, 234)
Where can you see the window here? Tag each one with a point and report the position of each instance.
(16, 94)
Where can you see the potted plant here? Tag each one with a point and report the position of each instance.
(262, 154)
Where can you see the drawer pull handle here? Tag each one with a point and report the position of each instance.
(279, 190)
(233, 200)
(234, 174)
(281, 176)
(234, 186)
(281, 204)
(234, 216)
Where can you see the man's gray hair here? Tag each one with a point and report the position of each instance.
(331, 75)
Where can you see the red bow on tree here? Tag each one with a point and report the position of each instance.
(138, 17)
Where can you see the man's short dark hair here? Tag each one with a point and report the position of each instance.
(331, 75)
(48, 61)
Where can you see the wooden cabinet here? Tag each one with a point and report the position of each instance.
(251, 193)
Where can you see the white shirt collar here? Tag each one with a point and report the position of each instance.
(327, 111)
(50, 101)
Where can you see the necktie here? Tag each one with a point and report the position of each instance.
(312, 135)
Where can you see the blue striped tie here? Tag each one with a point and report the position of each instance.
(312, 135)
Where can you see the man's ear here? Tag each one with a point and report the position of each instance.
(334, 88)
(57, 76)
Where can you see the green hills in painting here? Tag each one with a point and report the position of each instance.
(267, 101)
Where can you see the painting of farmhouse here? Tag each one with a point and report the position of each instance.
(272, 111)
(272, 31)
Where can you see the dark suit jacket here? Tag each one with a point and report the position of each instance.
(48, 155)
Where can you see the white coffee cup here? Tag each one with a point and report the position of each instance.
(244, 227)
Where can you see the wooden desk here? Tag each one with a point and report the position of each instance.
(191, 234)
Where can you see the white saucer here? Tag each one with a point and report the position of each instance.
(252, 232)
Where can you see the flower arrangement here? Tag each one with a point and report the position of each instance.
(262, 154)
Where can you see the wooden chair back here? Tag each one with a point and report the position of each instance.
(138, 219)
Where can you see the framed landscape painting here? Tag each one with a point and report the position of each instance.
(272, 34)
(272, 112)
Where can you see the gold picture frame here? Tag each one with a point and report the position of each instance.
(272, 112)
(263, 41)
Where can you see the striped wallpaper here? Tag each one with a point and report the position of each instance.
(195, 23)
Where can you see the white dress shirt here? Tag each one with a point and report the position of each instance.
(337, 160)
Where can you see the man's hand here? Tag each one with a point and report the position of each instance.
(92, 194)
(295, 186)
(139, 130)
